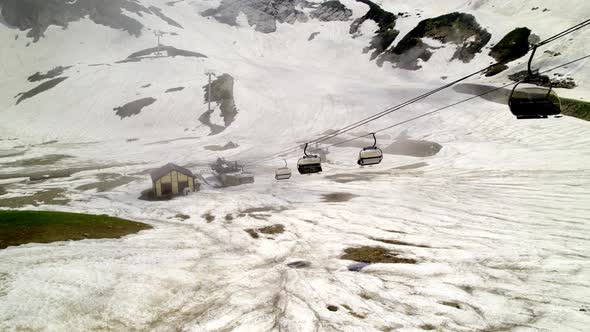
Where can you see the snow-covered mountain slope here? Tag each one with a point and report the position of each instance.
(496, 220)
(315, 85)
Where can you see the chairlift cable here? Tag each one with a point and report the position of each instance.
(423, 96)
(451, 105)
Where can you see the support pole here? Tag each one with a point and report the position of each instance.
(210, 74)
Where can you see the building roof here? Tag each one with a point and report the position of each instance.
(164, 170)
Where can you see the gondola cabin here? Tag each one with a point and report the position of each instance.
(171, 180)
(534, 102)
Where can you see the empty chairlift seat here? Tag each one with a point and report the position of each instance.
(309, 164)
(534, 102)
(371, 155)
(283, 173)
(529, 99)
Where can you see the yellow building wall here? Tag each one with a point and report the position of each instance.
(173, 177)
(158, 188)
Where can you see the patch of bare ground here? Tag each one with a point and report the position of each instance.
(367, 254)
(274, 229)
(108, 182)
(337, 197)
(150, 196)
(332, 308)
(352, 312)
(270, 230)
(47, 197)
(208, 216)
(259, 212)
(427, 327)
(252, 233)
(39, 161)
(263, 209)
(451, 304)
(182, 216)
(400, 243)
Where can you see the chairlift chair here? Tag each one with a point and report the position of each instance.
(283, 173)
(530, 101)
(371, 155)
(309, 164)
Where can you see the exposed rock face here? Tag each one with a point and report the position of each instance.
(331, 11)
(264, 14)
(53, 73)
(513, 46)
(545, 81)
(133, 108)
(158, 12)
(37, 15)
(47, 85)
(386, 34)
(180, 88)
(456, 28)
(222, 93)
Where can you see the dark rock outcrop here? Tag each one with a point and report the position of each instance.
(312, 36)
(39, 89)
(513, 46)
(263, 15)
(180, 88)
(386, 33)
(158, 12)
(38, 15)
(456, 28)
(331, 10)
(134, 107)
(546, 81)
(222, 93)
(53, 73)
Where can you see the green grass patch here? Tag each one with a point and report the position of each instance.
(271, 230)
(22, 227)
(371, 255)
(576, 108)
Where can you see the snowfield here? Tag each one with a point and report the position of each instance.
(497, 221)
